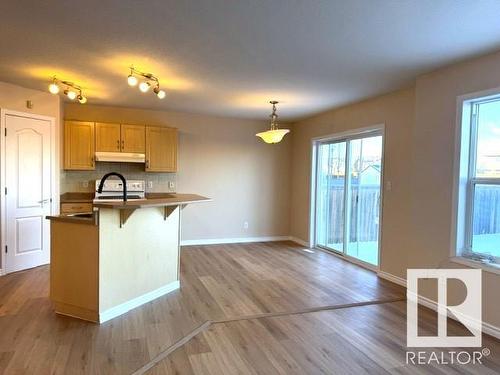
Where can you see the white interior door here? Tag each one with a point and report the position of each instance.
(28, 192)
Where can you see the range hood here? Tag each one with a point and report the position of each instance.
(120, 157)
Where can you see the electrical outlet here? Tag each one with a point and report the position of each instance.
(245, 225)
(150, 184)
(171, 185)
(85, 184)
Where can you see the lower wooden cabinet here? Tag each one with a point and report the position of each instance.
(73, 208)
(161, 149)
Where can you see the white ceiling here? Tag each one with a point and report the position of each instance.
(231, 57)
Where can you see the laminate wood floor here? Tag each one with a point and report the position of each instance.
(218, 282)
(367, 339)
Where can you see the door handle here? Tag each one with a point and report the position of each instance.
(43, 201)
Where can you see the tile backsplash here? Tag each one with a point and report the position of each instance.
(84, 181)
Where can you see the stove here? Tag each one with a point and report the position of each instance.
(112, 190)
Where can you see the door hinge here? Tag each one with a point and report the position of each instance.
(5, 191)
(5, 131)
(6, 249)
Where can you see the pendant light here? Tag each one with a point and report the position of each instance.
(273, 135)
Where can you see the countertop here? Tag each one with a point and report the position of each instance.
(91, 220)
(152, 200)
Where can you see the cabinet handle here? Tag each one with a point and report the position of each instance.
(147, 164)
(118, 144)
(123, 144)
(93, 162)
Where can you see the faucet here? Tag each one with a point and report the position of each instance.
(124, 183)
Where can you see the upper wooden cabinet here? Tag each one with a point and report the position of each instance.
(133, 138)
(161, 149)
(107, 137)
(120, 138)
(79, 144)
(82, 139)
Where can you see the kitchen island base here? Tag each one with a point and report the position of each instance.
(103, 268)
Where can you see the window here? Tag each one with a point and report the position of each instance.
(479, 196)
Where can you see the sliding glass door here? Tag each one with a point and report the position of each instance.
(330, 204)
(348, 188)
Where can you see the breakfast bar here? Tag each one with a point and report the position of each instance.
(120, 256)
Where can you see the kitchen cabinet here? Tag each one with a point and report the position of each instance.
(161, 149)
(72, 208)
(120, 138)
(82, 139)
(133, 138)
(79, 143)
(107, 137)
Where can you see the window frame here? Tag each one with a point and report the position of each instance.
(468, 143)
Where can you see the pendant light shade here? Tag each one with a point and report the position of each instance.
(273, 135)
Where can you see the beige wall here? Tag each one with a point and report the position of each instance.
(420, 126)
(395, 111)
(220, 158)
(433, 157)
(14, 98)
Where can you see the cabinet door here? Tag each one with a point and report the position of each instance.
(161, 149)
(79, 145)
(107, 137)
(133, 138)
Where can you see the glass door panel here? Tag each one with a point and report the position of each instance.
(348, 188)
(330, 195)
(365, 175)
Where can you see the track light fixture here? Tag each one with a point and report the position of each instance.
(145, 85)
(72, 91)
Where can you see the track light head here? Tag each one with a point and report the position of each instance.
(81, 99)
(144, 86)
(132, 80)
(159, 93)
(70, 94)
(54, 87)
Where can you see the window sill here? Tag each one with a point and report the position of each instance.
(488, 267)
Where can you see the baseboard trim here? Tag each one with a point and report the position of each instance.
(217, 241)
(487, 328)
(138, 301)
(299, 241)
(491, 330)
(390, 277)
